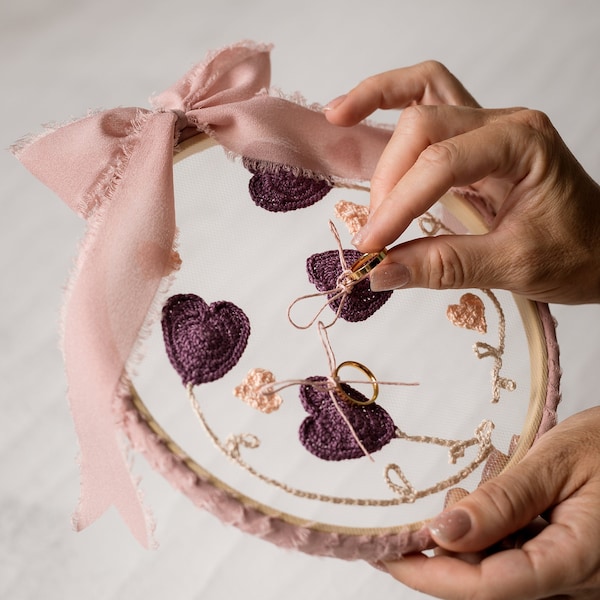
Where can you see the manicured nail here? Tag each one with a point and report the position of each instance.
(389, 277)
(335, 102)
(361, 235)
(451, 525)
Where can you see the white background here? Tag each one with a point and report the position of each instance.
(59, 58)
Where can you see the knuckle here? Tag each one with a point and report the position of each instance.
(414, 117)
(495, 496)
(435, 69)
(439, 155)
(536, 120)
(535, 126)
(445, 268)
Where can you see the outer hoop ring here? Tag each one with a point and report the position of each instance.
(322, 539)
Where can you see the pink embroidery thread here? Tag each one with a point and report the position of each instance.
(256, 391)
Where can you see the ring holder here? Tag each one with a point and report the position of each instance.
(275, 437)
(367, 372)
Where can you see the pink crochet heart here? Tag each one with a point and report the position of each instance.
(323, 271)
(203, 341)
(325, 433)
(277, 189)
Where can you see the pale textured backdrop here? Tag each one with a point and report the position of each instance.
(60, 57)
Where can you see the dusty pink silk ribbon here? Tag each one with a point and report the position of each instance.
(115, 169)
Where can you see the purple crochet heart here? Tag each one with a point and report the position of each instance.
(323, 271)
(203, 342)
(326, 435)
(277, 189)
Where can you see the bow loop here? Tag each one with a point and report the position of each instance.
(115, 168)
(84, 162)
(232, 75)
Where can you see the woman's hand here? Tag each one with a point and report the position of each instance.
(544, 241)
(559, 479)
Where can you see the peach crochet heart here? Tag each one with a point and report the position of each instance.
(469, 313)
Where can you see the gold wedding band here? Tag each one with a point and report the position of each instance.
(365, 264)
(367, 372)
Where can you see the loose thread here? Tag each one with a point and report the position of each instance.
(343, 288)
(330, 384)
(231, 449)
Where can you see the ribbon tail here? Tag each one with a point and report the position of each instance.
(127, 250)
(106, 483)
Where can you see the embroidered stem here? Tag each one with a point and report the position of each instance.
(431, 226)
(232, 449)
(407, 493)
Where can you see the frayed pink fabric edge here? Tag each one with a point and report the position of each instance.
(233, 511)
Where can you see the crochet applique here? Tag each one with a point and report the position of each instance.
(468, 313)
(324, 270)
(277, 188)
(252, 388)
(246, 463)
(353, 215)
(203, 341)
(325, 433)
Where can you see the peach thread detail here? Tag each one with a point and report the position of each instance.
(254, 391)
(353, 215)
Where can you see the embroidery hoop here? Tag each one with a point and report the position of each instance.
(288, 530)
(123, 160)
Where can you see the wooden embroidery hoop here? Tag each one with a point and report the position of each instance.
(320, 538)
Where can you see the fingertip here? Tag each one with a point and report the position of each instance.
(333, 104)
(335, 113)
(450, 526)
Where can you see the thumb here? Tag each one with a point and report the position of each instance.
(497, 508)
(448, 261)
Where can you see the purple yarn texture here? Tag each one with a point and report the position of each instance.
(323, 271)
(277, 189)
(325, 433)
(203, 341)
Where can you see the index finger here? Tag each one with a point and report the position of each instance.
(495, 148)
(428, 82)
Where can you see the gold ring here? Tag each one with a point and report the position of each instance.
(367, 372)
(365, 264)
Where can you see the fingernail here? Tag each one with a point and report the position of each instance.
(451, 525)
(389, 277)
(361, 235)
(335, 102)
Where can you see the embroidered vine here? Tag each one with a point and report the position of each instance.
(205, 341)
(469, 313)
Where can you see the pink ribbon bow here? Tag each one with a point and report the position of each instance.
(115, 169)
